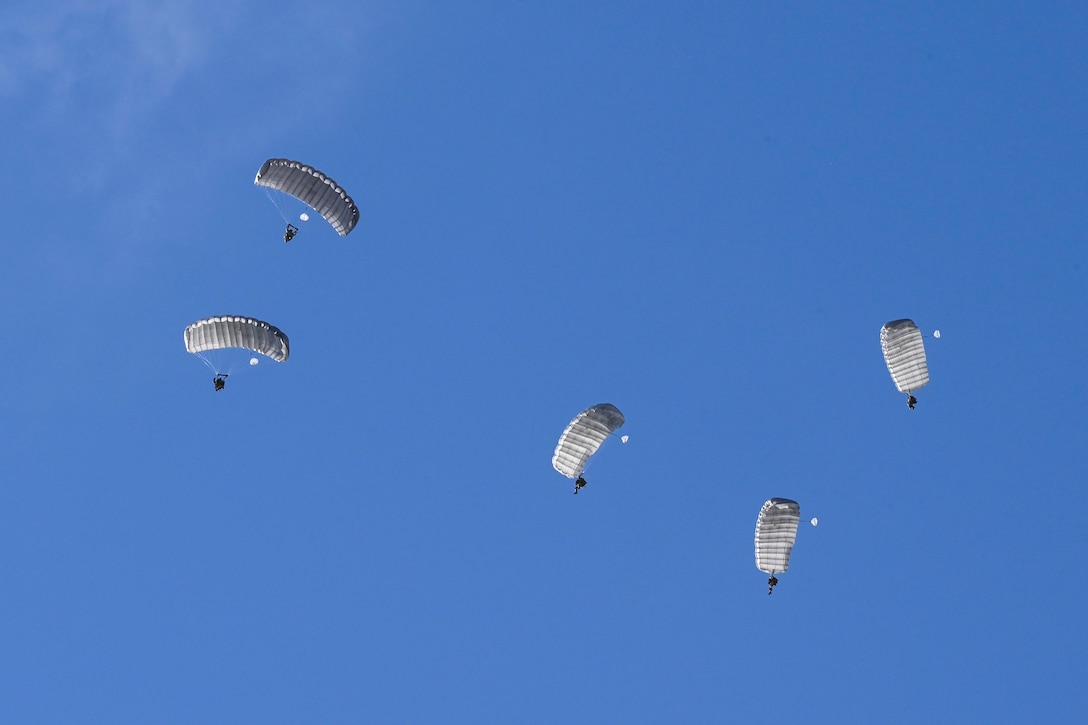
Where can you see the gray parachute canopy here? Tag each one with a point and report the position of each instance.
(313, 188)
(776, 532)
(217, 333)
(905, 354)
(583, 437)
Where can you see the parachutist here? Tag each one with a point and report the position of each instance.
(580, 483)
(292, 230)
(770, 584)
(911, 400)
(220, 382)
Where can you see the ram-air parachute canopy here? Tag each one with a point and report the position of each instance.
(583, 437)
(905, 355)
(227, 331)
(313, 188)
(776, 532)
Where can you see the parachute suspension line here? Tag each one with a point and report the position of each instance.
(218, 364)
(278, 207)
(204, 359)
(231, 364)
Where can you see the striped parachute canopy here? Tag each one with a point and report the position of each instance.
(313, 188)
(776, 532)
(229, 331)
(905, 355)
(583, 437)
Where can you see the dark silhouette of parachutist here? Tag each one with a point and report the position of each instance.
(580, 483)
(911, 400)
(220, 382)
(770, 584)
(288, 235)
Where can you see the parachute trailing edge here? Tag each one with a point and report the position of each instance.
(227, 331)
(312, 188)
(583, 436)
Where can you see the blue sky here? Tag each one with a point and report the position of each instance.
(699, 212)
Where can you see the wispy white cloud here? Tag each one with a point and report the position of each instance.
(107, 63)
(78, 81)
(124, 107)
(50, 49)
(100, 67)
(167, 37)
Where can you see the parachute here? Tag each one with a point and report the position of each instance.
(312, 188)
(582, 437)
(776, 532)
(905, 355)
(218, 333)
(205, 337)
